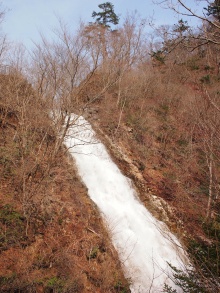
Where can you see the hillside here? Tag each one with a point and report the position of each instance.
(154, 100)
(164, 135)
(52, 236)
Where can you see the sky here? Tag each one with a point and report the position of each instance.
(26, 19)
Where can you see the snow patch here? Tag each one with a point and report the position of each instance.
(144, 244)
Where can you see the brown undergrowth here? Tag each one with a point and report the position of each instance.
(52, 237)
(153, 125)
(164, 135)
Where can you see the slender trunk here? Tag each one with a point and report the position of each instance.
(120, 116)
(210, 165)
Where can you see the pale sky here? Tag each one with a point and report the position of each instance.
(26, 18)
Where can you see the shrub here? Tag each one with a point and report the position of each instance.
(14, 224)
(55, 283)
(93, 253)
(205, 79)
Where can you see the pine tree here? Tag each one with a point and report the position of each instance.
(107, 15)
(214, 10)
(181, 27)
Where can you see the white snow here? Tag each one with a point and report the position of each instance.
(143, 243)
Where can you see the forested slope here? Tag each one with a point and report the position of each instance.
(155, 100)
(52, 238)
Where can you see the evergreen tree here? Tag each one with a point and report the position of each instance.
(107, 15)
(181, 27)
(214, 9)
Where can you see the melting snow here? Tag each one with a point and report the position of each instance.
(144, 244)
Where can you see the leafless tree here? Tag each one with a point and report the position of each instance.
(211, 27)
(208, 123)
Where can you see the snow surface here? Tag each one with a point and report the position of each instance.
(144, 244)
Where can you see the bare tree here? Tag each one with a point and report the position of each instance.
(208, 123)
(211, 27)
